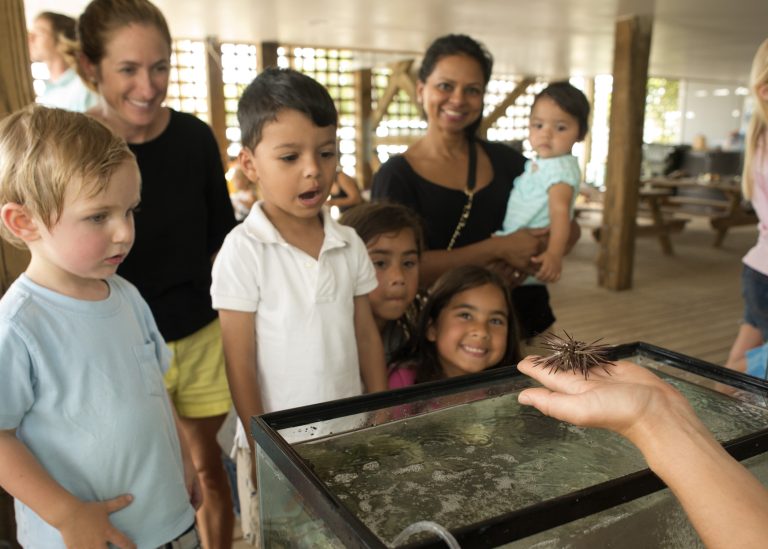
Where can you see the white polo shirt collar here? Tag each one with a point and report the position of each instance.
(258, 226)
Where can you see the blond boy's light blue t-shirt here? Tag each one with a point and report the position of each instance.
(82, 386)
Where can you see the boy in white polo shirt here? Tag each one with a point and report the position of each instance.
(290, 283)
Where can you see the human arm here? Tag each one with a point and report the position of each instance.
(550, 261)
(727, 506)
(350, 188)
(370, 350)
(191, 481)
(748, 337)
(82, 524)
(239, 340)
(515, 249)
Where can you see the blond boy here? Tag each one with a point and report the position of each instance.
(88, 440)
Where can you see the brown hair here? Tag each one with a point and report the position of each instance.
(275, 89)
(756, 134)
(453, 282)
(63, 29)
(44, 151)
(571, 100)
(61, 25)
(103, 17)
(373, 219)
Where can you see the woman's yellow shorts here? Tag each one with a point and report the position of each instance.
(196, 379)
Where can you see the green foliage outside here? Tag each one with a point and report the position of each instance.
(662, 112)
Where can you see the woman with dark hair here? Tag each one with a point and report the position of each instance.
(459, 184)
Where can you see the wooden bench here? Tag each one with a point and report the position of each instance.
(720, 201)
(650, 220)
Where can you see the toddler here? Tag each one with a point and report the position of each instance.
(88, 438)
(546, 191)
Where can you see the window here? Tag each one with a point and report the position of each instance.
(238, 68)
(401, 124)
(662, 111)
(40, 76)
(513, 125)
(188, 88)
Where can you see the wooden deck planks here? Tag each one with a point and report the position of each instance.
(689, 302)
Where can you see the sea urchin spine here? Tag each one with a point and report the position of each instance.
(570, 354)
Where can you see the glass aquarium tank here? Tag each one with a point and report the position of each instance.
(459, 463)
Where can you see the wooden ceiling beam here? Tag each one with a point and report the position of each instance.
(399, 79)
(508, 101)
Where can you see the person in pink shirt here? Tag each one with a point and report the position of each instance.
(753, 332)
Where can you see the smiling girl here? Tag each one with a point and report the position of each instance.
(467, 325)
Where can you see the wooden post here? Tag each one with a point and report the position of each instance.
(15, 92)
(15, 70)
(587, 156)
(216, 106)
(363, 130)
(622, 175)
(267, 55)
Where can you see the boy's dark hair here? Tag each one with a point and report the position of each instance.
(571, 100)
(448, 285)
(276, 89)
(373, 219)
(457, 44)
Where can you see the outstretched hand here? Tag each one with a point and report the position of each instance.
(727, 506)
(625, 399)
(88, 526)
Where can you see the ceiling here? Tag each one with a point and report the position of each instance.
(707, 40)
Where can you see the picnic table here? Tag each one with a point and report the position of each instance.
(720, 200)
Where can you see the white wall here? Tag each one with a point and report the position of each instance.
(711, 110)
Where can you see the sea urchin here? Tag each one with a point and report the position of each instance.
(570, 354)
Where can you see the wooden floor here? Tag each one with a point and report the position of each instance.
(689, 302)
